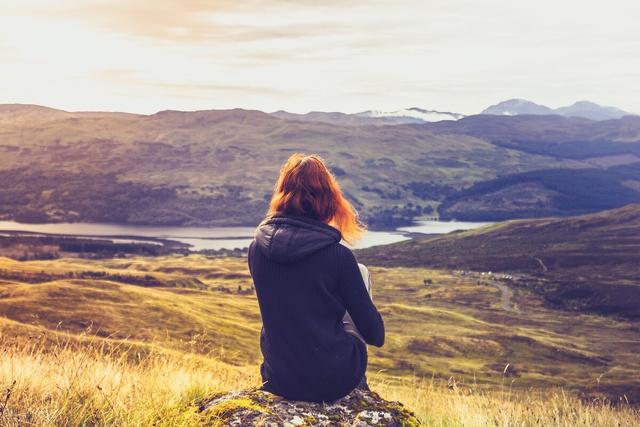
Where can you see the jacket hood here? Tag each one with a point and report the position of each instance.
(288, 238)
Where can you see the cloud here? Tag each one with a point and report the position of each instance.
(190, 21)
(207, 89)
(303, 55)
(136, 80)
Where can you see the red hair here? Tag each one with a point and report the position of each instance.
(307, 187)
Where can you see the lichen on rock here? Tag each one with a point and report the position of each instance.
(255, 407)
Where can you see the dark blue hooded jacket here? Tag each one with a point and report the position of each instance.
(305, 279)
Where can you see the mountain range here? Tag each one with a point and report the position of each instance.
(372, 117)
(217, 167)
(585, 109)
(511, 107)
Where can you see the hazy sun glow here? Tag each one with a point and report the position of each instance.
(351, 55)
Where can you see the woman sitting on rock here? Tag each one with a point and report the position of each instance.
(314, 297)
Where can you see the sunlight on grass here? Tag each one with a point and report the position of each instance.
(440, 404)
(85, 350)
(73, 385)
(68, 384)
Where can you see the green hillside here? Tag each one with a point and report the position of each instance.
(218, 166)
(439, 324)
(143, 340)
(589, 262)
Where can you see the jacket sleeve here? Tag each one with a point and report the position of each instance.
(352, 289)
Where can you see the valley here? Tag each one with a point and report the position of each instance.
(588, 263)
(473, 329)
(480, 323)
(217, 167)
(441, 324)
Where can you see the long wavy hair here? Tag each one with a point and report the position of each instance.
(307, 187)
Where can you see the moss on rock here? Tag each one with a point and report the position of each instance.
(257, 407)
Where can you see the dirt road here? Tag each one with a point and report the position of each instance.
(506, 294)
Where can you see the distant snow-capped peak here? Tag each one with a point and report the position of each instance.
(415, 113)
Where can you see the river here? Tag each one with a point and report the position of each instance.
(220, 237)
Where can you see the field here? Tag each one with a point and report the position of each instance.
(70, 386)
(142, 340)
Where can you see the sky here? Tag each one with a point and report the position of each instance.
(308, 55)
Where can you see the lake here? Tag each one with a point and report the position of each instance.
(220, 237)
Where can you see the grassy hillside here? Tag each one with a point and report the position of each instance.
(610, 148)
(86, 386)
(589, 262)
(441, 326)
(186, 305)
(218, 166)
(544, 192)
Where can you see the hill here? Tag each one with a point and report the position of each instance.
(511, 107)
(189, 328)
(587, 263)
(343, 119)
(372, 117)
(217, 167)
(413, 113)
(591, 110)
(514, 107)
(585, 109)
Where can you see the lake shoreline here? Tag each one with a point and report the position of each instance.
(221, 224)
(196, 239)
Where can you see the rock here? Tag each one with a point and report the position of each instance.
(254, 407)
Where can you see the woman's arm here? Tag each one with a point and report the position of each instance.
(356, 299)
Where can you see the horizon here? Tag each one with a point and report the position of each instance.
(631, 113)
(352, 56)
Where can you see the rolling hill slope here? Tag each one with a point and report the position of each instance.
(588, 263)
(585, 109)
(439, 324)
(218, 166)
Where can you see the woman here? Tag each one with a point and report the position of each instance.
(316, 312)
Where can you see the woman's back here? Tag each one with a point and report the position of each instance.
(305, 280)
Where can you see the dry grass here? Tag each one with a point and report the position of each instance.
(68, 384)
(439, 404)
(102, 352)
